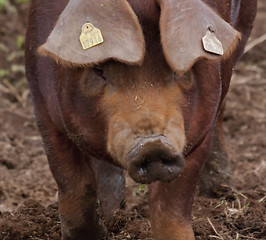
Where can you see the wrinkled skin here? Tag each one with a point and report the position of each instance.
(157, 124)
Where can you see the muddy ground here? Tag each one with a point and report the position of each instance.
(28, 208)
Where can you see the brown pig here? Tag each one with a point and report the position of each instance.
(135, 85)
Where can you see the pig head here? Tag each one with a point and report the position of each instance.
(146, 98)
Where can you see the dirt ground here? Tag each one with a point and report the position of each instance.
(28, 208)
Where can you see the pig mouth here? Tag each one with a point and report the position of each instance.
(154, 159)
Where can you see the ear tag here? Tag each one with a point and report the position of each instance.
(212, 44)
(90, 36)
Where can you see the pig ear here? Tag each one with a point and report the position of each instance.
(114, 32)
(191, 30)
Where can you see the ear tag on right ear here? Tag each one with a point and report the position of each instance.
(212, 44)
(90, 36)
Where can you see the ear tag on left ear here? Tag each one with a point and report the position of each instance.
(90, 36)
(212, 44)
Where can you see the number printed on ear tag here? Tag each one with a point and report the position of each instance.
(212, 44)
(90, 36)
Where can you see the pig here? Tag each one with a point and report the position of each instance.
(136, 86)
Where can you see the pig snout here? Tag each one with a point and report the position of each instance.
(153, 160)
(148, 142)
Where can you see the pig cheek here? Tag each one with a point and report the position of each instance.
(119, 134)
(176, 134)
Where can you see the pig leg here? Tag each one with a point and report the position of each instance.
(111, 188)
(171, 202)
(217, 169)
(75, 176)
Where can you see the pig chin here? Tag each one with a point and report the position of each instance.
(149, 157)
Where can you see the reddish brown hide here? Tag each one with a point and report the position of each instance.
(149, 100)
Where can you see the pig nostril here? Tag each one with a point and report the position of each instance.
(142, 171)
(170, 170)
(168, 161)
(147, 163)
(143, 166)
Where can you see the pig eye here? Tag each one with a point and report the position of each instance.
(99, 71)
(186, 80)
(93, 82)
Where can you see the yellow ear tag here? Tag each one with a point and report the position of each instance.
(90, 36)
(212, 44)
